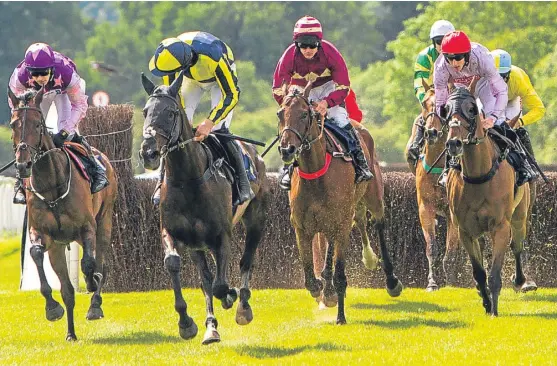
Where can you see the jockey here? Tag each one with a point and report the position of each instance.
(208, 65)
(423, 72)
(43, 67)
(463, 61)
(521, 93)
(312, 58)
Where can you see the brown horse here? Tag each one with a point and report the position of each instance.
(196, 212)
(482, 196)
(327, 204)
(61, 209)
(432, 199)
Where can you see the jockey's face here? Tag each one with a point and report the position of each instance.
(456, 61)
(41, 77)
(308, 50)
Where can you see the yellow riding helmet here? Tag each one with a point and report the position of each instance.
(171, 55)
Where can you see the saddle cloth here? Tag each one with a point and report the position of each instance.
(218, 151)
(78, 154)
(339, 144)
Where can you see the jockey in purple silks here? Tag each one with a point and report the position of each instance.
(311, 58)
(43, 67)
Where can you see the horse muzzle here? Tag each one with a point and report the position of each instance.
(23, 169)
(150, 156)
(287, 154)
(454, 147)
(431, 135)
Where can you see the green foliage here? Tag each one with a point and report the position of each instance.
(6, 152)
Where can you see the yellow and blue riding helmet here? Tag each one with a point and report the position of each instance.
(502, 61)
(171, 56)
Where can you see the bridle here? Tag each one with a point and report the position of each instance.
(172, 142)
(305, 139)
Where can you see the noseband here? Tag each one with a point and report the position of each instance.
(305, 138)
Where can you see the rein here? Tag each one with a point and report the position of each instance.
(39, 154)
(180, 145)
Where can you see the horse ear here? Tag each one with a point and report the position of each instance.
(424, 84)
(444, 112)
(472, 87)
(39, 97)
(13, 98)
(147, 84)
(176, 85)
(307, 89)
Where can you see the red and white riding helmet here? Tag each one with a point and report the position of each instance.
(307, 28)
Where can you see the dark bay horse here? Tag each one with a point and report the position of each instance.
(483, 198)
(328, 204)
(61, 209)
(196, 212)
(432, 198)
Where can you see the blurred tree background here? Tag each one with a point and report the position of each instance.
(379, 41)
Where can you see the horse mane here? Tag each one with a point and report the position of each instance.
(288, 99)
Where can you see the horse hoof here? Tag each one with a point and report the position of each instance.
(244, 315)
(228, 302)
(211, 336)
(432, 287)
(94, 314)
(395, 292)
(189, 332)
(529, 286)
(330, 301)
(55, 313)
(341, 321)
(71, 337)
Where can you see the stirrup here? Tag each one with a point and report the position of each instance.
(442, 182)
(156, 197)
(19, 197)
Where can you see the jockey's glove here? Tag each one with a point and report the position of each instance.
(59, 138)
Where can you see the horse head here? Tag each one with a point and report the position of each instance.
(29, 132)
(165, 120)
(296, 126)
(434, 128)
(462, 114)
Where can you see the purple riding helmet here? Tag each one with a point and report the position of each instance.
(39, 56)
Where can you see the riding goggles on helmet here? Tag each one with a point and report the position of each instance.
(437, 40)
(457, 57)
(307, 45)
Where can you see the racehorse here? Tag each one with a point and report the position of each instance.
(329, 203)
(432, 199)
(61, 208)
(482, 195)
(196, 212)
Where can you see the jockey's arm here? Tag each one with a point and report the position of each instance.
(282, 74)
(440, 81)
(531, 100)
(423, 69)
(228, 83)
(339, 73)
(16, 87)
(71, 106)
(497, 86)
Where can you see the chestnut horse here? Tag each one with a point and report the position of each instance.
(328, 204)
(61, 209)
(483, 198)
(196, 212)
(432, 198)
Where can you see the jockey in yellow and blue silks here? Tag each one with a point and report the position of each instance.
(208, 65)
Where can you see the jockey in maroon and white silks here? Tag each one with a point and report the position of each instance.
(62, 87)
(327, 69)
(463, 60)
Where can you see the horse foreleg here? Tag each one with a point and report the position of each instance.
(95, 311)
(339, 279)
(88, 262)
(57, 258)
(187, 327)
(330, 296)
(427, 219)
(501, 239)
(304, 242)
(54, 311)
(478, 271)
(211, 323)
(394, 286)
(369, 258)
(221, 288)
(451, 262)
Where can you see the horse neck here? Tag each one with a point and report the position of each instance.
(313, 159)
(188, 162)
(50, 173)
(478, 159)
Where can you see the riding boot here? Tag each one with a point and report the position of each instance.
(413, 153)
(284, 177)
(524, 137)
(98, 175)
(519, 161)
(237, 160)
(19, 196)
(362, 168)
(156, 199)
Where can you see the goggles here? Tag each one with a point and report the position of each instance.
(457, 57)
(308, 45)
(437, 40)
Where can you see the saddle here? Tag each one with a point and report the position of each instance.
(339, 144)
(79, 155)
